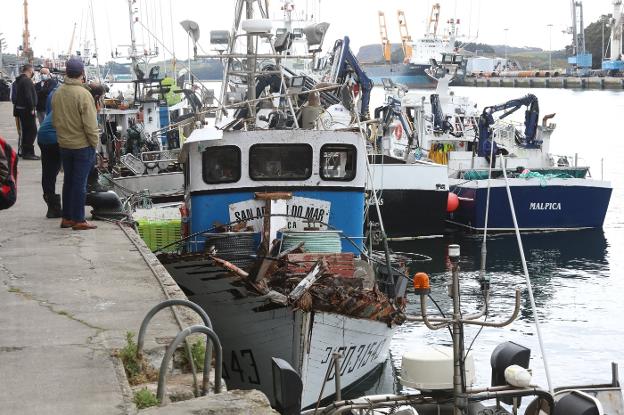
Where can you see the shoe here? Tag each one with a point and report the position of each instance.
(83, 226)
(31, 157)
(54, 205)
(67, 223)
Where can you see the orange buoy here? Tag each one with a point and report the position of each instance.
(452, 203)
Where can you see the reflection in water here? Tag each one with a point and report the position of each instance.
(574, 293)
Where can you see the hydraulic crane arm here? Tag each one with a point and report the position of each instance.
(531, 115)
(348, 64)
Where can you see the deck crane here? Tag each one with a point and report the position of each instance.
(580, 62)
(531, 116)
(386, 48)
(434, 19)
(406, 39)
(615, 63)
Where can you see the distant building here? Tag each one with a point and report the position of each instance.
(480, 65)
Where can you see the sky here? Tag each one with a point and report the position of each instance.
(52, 22)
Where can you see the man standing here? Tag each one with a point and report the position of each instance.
(75, 119)
(43, 88)
(25, 105)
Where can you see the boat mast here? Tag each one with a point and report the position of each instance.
(95, 48)
(251, 64)
(133, 51)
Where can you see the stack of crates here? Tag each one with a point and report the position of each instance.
(159, 227)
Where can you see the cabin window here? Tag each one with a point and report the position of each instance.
(338, 162)
(221, 164)
(280, 162)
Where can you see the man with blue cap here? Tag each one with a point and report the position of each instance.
(74, 117)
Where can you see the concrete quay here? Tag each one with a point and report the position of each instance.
(67, 299)
(571, 82)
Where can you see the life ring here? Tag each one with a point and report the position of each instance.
(398, 132)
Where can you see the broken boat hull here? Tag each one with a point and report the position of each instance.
(252, 330)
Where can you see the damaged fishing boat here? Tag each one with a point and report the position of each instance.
(273, 245)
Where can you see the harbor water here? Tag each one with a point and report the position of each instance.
(577, 277)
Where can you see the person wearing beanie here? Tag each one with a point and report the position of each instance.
(74, 117)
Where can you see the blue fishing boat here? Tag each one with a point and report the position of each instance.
(274, 211)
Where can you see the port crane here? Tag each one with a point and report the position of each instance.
(27, 51)
(386, 48)
(615, 63)
(580, 62)
(434, 20)
(406, 39)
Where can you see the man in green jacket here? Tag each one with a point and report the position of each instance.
(74, 117)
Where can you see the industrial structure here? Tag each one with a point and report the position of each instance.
(580, 62)
(615, 63)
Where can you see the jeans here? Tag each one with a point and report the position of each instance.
(28, 125)
(77, 164)
(50, 167)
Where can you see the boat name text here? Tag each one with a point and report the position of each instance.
(545, 206)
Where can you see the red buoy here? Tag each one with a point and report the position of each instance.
(452, 203)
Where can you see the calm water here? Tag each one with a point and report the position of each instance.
(577, 277)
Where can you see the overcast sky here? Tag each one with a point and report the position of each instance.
(52, 21)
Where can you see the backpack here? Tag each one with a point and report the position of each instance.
(8, 175)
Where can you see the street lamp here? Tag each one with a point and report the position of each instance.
(549, 46)
(506, 30)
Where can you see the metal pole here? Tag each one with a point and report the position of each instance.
(97, 61)
(550, 46)
(337, 357)
(133, 54)
(251, 64)
(458, 385)
(602, 20)
(1, 47)
(506, 30)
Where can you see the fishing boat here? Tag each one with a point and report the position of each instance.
(273, 214)
(487, 156)
(404, 186)
(414, 71)
(144, 127)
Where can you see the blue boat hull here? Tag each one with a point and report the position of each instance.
(538, 207)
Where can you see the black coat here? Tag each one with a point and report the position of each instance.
(43, 89)
(25, 94)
